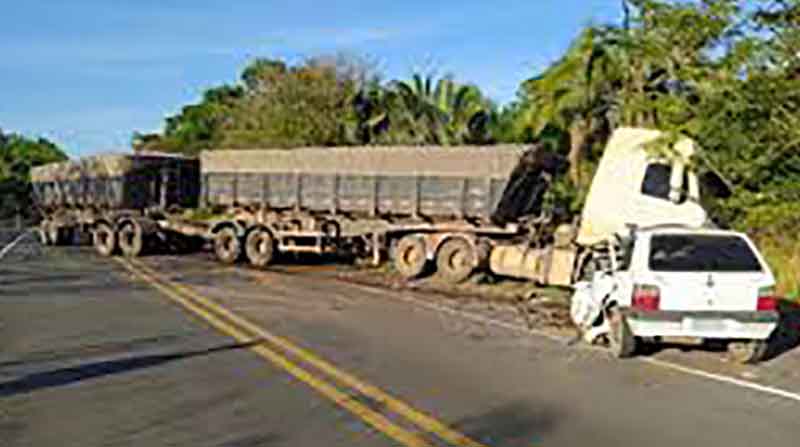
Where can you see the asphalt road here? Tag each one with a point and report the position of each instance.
(96, 353)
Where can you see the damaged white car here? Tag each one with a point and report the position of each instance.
(673, 281)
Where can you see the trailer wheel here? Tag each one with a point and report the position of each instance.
(409, 256)
(104, 239)
(260, 248)
(54, 234)
(455, 260)
(227, 245)
(44, 236)
(131, 239)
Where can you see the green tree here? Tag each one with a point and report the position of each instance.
(442, 111)
(570, 95)
(18, 155)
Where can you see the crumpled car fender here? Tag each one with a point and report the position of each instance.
(589, 300)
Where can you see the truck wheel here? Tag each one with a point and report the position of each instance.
(455, 260)
(409, 256)
(227, 245)
(104, 240)
(260, 248)
(54, 234)
(747, 352)
(44, 237)
(131, 239)
(621, 340)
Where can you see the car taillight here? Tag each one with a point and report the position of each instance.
(646, 298)
(767, 301)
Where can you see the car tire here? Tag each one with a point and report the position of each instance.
(747, 352)
(621, 340)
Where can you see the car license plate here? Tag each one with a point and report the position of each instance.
(704, 324)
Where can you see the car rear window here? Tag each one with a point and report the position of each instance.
(701, 253)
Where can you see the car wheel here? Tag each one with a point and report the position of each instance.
(747, 352)
(621, 340)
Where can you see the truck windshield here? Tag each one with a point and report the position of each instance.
(701, 253)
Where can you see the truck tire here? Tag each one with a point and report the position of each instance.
(44, 237)
(747, 352)
(104, 239)
(455, 260)
(227, 246)
(54, 234)
(131, 239)
(410, 257)
(260, 248)
(621, 340)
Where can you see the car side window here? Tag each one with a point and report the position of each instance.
(656, 180)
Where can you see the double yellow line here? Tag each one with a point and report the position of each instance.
(278, 350)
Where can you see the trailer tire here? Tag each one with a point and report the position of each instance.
(44, 236)
(260, 247)
(54, 234)
(456, 260)
(227, 245)
(131, 239)
(410, 257)
(104, 239)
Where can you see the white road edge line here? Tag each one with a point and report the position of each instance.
(662, 363)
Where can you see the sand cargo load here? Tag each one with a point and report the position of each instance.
(117, 199)
(430, 182)
(117, 181)
(412, 204)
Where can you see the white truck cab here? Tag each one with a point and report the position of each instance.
(674, 281)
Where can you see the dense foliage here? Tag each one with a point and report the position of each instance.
(724, 72)
(17, 155)
(325, 102)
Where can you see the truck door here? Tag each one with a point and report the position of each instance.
(666, 196)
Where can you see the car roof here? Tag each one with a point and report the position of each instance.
(680, 229)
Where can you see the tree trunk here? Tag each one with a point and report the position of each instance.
(578, 131)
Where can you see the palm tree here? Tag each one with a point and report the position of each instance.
(574, 94)
(442, 111)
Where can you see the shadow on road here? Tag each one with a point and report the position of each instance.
(88, 349)
(66, 376)
(513, 424)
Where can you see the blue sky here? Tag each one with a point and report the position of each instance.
(87, 73)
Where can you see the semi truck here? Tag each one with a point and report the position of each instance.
(448, 210)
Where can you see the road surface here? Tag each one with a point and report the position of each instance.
(184, 352)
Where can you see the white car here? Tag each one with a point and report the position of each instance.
(679, 282)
